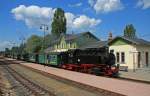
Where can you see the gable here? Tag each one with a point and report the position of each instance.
(90, 36)
(119, 41)
(67, 41)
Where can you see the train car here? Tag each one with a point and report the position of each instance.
(42, 58)
(33, 57)
(91, 60)
(25, 57)
(57, 58)
(16, 56)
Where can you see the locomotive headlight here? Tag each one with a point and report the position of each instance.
(113, 67)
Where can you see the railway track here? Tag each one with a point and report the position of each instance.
(73, 83)
(99, 91)
(92, 89)
(118, 78)
(30, 88)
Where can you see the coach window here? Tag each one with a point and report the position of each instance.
(122, 57)
(118, 57)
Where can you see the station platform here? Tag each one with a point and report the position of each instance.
(124, 87)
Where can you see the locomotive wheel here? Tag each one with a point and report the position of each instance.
(97, 71)
(90, 71)
(115, 75)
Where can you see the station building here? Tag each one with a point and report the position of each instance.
(133, 53)
(72, 41)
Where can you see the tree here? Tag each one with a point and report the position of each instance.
(15, 50)
(59, 23)
(21, 48)
(48, 40)
(130, 31)
(7, 51)
(34, 44)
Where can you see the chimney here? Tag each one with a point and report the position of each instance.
(110, 37)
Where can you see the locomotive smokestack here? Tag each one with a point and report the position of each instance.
(110, 37)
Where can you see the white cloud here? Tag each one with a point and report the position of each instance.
(70, 19)
(105, 6)
(144, 4)
(75, 5)
(33, 16)
(84, 22)
(81, 23)
(91, 2)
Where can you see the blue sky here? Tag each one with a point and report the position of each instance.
(22, 18)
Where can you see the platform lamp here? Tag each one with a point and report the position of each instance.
(44, 27)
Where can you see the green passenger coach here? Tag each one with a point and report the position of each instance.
(53, 59)
(42, 58)
(56, 58)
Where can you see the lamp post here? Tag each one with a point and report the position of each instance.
(44, 27)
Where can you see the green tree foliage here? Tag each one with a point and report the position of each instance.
(130, 31)
(7, 51)
(59, 23)
(15, 49)
(34, 44)
(21, 48)
(48, 40)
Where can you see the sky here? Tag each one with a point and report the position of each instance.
(23, 18)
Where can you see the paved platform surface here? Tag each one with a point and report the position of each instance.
(119, 86)
(141, 74)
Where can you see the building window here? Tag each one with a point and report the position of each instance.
(56, 46)
(62, 46)
(118, 57)
(122, 57)
(74, 45)
(88, 36)
(146, 57)
(139, 59)
(69, 45)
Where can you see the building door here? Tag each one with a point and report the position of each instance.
(146, 57)
(139, 59)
